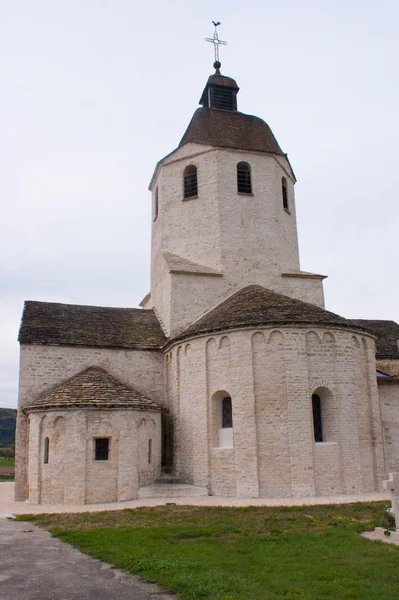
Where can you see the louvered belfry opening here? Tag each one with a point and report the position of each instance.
(224, 98)
(285, 193)
(244, 185)
(190, 182)
(220, 92)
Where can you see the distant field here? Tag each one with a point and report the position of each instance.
(6, 462)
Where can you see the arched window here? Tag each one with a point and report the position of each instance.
(284, 191)
(222, 420)
(317, 420)
(227, 413)
(244, 185)
(149, 451)
(190, 182)
(156, 205)
(46, 450)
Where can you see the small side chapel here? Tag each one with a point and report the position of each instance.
(231, 379)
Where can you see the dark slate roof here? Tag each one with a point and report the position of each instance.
(230, 129)
(74, 325)
(255, 306)
(222, 80)
(93, 388)
(387, 333)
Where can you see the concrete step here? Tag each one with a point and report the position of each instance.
(166, 478)
(172, 490)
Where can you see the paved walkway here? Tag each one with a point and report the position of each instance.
(8, 507)
(35, 566)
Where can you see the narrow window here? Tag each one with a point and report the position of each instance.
(227, 413)
(46, 450)
(190, 182)
(285, 193)
(244, 185)
(149, 451)
(156, 205)
(101, 448)
(317, 422)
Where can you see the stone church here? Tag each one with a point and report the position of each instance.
(231, 379)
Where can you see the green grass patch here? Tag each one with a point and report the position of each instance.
(7, 462)
(257, 553)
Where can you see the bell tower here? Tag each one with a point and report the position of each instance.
(223, 214)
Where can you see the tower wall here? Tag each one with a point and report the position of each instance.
(242, 239)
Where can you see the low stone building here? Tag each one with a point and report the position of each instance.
(231, 378)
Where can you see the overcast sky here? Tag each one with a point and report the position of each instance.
(94, 92)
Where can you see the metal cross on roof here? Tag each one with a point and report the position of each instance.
(215, 40)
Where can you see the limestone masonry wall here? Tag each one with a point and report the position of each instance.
(389, 399)
(42, 367)
(271, 374)
(72, 475)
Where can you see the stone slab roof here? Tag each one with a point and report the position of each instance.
(93, 388)
(389, 367)
(255, 306)
(230, 129)
(75, 325)
(387, 333)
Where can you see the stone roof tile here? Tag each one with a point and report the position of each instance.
(230, 129)
(254, 306)
(75, 325)
(93, 388)
(388, 336)
(389, 367)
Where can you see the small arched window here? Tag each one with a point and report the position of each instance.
(284, 191)
(190, 182)
(149, 451)
(317, 420)
(227, 413)
(46, 450)
(156, 205)
(244, 185)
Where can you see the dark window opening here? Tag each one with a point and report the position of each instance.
(190, 181)
(101, 448)
(317, 423)
(224, 98)
(285, 193)
(156, 205)
(46, 450)
(244, 185)
(149, 451)
(227, 413)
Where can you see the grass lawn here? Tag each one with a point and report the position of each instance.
(6, 462)
(312, 553)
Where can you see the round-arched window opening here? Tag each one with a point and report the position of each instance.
(244, 184)
(317, 420)
(227, 413)
(46, 450)
(284, 191)
(156, 204)
(190, 182)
